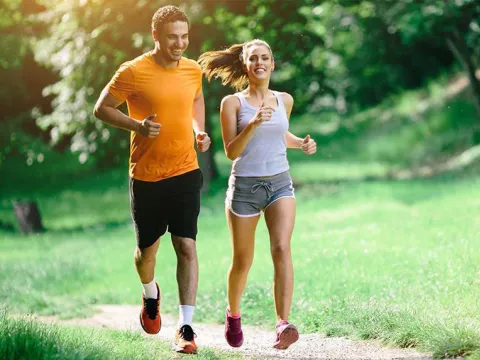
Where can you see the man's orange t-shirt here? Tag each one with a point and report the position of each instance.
(149, 89)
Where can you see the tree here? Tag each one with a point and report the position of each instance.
(455, 23)
(25, 78)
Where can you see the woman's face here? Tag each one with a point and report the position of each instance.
(259, 62)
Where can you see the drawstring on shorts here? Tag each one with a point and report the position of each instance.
(266, 185)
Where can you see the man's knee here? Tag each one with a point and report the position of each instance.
(144, 255)
(185, 248)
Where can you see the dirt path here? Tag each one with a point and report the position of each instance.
(257, 341)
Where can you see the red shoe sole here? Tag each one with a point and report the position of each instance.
(287, 337)
(185, 350)
(235, 345)
(143, 327)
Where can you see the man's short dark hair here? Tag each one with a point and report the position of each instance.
(168, 14)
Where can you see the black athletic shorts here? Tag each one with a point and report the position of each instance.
(173, 203)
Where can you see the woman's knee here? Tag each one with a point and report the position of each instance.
(242, 264)
(280, 249)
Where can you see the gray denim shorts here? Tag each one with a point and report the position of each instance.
(248, 196)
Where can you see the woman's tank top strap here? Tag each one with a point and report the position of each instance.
(241, 97)
(243, 101)
(279, 99)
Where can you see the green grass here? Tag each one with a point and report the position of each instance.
(397, 264)
(395, 261)
(27, 338)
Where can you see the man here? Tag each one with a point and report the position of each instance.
(163, 91)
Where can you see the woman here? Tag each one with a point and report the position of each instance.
(256, 137)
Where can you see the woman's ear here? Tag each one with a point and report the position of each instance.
(273, 65)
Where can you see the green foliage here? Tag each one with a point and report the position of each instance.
(14, 47)
(15, 27)
(429, 18)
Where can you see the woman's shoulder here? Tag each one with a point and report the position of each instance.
(286, 98)
(230, 101)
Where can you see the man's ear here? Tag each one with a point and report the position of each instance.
(154, 35)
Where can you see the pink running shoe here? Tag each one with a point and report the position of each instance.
(233, 330)
(287, 334)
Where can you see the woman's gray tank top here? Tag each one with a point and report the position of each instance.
(266, 152)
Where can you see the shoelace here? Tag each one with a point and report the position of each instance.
(234, 325)
(265, 184)
(186, 333)
(151, 308)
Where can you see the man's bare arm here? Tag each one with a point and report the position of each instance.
(199, 114)
(201, 137)
(106, 110)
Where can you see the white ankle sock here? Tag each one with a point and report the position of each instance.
(186, 315)
(150, 290)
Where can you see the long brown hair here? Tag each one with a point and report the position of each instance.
(229, 64)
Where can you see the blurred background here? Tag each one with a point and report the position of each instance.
(386, 239)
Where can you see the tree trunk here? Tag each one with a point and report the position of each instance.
(458, 46)
(28, 217)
